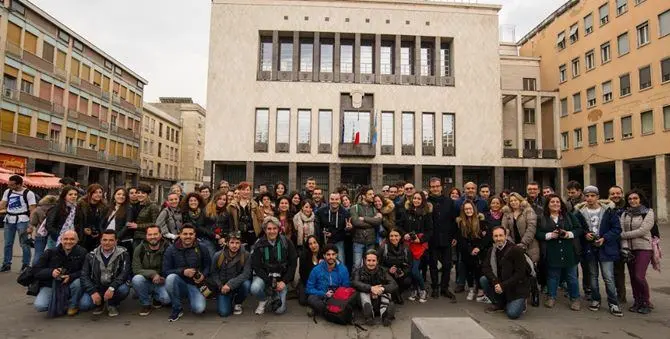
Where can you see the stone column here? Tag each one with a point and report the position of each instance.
(377, 176)
(396, 57)
(661, 188)
(538, 121)
(417, 58)
(58, 169)
(377, 67)
(589, 175)
(557, 127)
(316, 57)
(336, 58)
(498, 179)
(458, 177)
(334, 176)
(82, 175)
(530, 176)
(292, 176)
(275, 54)
(519, 125)
(418, 177)
(357, 58)
(561, 182)
(296, 57)
(250, 174)
(622, 174)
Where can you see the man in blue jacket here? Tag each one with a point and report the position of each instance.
(600, 246)
(325, 278)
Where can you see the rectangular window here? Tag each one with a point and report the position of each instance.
(387, 129)
(304, 126)
(529, 116)
(562, 77)
(607, 91)
(591, 97)
(27, 82)
(449, 134)
(622, 44)
(428, 132)
(60, 60)
(605, 52)
(577, 102)
(575, 67)
(643, 34)
(306, 55)
(356, 123)
(23, 126)
(30, 42)
(406, 58)
(387, 57)
(574, 33)
(627, 127)
(665, 70)
(326, 55)
(621, 6)
(445, 59)
(426, 59)
(48, 52)
(283, 125)
(664, 23)
(408, 128)
(666, 117)
(593, 135)
(564, 107)
(560, 40)
(7, 121)
(590, 60)
(74, 67)
(624, 84)
(565, 141)
(529, 144)
(578, 137)
(262, 125)
(325, 126)
(604, 12)
(529, 84)
(266, 54)
(367, 57)
(347, 56)
(608, 131)
(286, 55)
(588, 24)
(647, 122)
(14, 34)
(645, 77)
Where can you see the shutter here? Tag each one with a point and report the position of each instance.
(30, 43)
(58, 95)
(7, 121)
(74, 67)
(24, 125)
(123, 91)
(45, 90)
(42, 127)
(103, 143)
(131, 97)
(103, 113)
(95, 110)
(27, 77)
(14, 34)
(112, 147)
(116, 87)
(48, 52)
(85, 72)
(81, 135)
(83, 105)
(70, 133)
(138, 100)
(72, 101)
(60, 59)
(105, 84)
(119, 149)
(96, 78)
(93, 140)
(9, 70)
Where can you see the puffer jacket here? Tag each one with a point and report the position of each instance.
(170, 221)
(40, 212)
(420, 223)
(147, 262)
(365, 231)
(89, 216)
(364, 279)
(444, 220)
(231, 270)
(91, 275)
(636, 229)
(526, 223)
(54, 258)
(177, 258)
(321, 279)
(256, 216)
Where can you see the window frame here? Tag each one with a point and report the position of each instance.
(278, 127)
(592, 131)
(605, 50)
(329, 125)
(299, 141)
(625, 136)
(562, 73)
(258, 138)
(588, 29)
(579, 137)
(647, 113)
(604, 19)
(665, 74)
(619, 44)
(643, 32)
(605, 124)
(592, 56)
(575, 66)
(576, 109)
(565, 141)
(666, 16)
(621, 88)
(607, 96)
(650, 83)
(591, 102)
(529, 116)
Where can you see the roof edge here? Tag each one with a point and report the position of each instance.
(548, 20)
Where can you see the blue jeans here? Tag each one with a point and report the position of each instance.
(146, 290)
(513, 308)
(43, 298)
(554, 277)
(607, 270)
(10, 233)
(359, 251)
(340, 251)
(120, 294)
(178, 289)
(224, 302)
(40, 246)
(417, 278)
(258, 290)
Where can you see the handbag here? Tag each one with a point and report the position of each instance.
(626, 254)
(26, 277)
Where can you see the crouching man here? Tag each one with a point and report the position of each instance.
(506, 279)
(325, 278)
(231, 276)
(147, 267)
(375, 286)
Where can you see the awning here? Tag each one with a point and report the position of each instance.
(4, 175)
(561, 38)
(573, 30)
(41, 180)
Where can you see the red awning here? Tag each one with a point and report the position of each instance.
(4, 175)
(41, 180)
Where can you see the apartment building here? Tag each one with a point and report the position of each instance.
(373, 92)
(192, 117)
(610, 62)
(68, 107)
(160, 150)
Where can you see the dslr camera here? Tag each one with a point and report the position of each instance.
(412, 236)
(63, 273)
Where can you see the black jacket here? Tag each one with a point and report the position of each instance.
(177, 258)
(229, 269)
(398, 256)
(514, 277)
(120, 219)
(466, 244)
(364, 279)
(444, 220)
(91, 274)
(56, 219)
(56, 258)
(333, 222)
(89, 216)
(218, 224)
(419, 223)
(307, 265)
(265, 259)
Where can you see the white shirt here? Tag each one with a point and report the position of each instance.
(16, 205)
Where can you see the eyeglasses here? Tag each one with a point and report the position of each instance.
(385, 190)
(409, 188)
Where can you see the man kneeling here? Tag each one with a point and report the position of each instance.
(231, 275)
(506, 281)
(375, 285)
(325, 278)
(147, 266)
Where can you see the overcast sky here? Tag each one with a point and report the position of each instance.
(166, 41)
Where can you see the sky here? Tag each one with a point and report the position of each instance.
(167, 41)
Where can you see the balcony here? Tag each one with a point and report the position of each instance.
(360, 150)
(125, 161)
(34, 101)
(126, 133)
(10, 94)
(91, 88)
(127, 105)
(36, 143)
(58, 109)
(87, 153)
(74, 80)
(531, 153)
(7, 138)
(89, 120)
(116, 99)
(13, 49)
(510, 153)
(55, 146)
(72, 114)
(105, 96)
(37, 62)
(549, 154)
(60, 74)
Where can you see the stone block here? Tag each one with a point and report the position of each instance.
(448, 328)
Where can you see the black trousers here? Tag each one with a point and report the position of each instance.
(442, 255)
(318, 304)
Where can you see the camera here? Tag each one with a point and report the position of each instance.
(197, 276)
(412, 236)
(63, 273)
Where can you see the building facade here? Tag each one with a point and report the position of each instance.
(610, 62)
(160, 150)
(371, 92)
(191, 139)
(68, 108)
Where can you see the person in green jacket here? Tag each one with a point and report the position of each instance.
(147, 281)
(365, 219)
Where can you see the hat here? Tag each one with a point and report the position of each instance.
(591, 189)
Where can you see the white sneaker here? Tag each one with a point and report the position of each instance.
(483, 299)
(261, 307)
(238, 309)
(412, 295)
(471, 294)
(422, 296)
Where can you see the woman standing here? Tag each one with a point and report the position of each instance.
(454, 193)
(558, 228)
(308, 260)
(494, 216)
(637, 221)
(417, 220)
(473, 241)
(116, 217)
(144, 215)
(38, 216)
(193, 212)
(386, 207)
(296, 199)
(61, 217)
(169, 219)
(217, 220)
(304, 224)
(520, 223)
(395, 257)
(90, 215)
(286, 219)
(346, 202)
(245, 215)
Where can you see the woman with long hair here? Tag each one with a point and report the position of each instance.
(217, 220)
(494, 215)
(473, 241)
(193, 212)
(504, 195)
(304, 223)
(346, 202)
(91, 210)
(285, 219)
(280, 191)
(116, 217)
(637, 222)
(310, 257)
(557, 228)
(170, 219)
(245, 215)
(386, 207)
(62, 217)
(520, 223)
(296, 200)
(396, 258)
(417, 220)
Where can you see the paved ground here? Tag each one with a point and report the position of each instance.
(19, 320)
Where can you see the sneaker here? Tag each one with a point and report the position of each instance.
(156, 304)
(175, 315)
(423, 295)
(112, 311)
(6, 268)
(483, 299)
(261, 307)
(98, 310)
(24, 266)
(145, 311)
(616, 311)
(72, 311)
(471, 294)
(412, 295)
(594, 305)
(435, 293)
(237, 310)
(549, 303)
(494, 309)
(643, 310)
(459, 289)
(634, 308)
(576, 305)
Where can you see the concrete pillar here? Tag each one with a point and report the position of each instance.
(357, 58)
(530, 176)
(418, 177)
(589, 175)
(122, 179)
(458, 177)
(377, 176)
(275, 54)
(661, 189)
(82, 175)
(561, 182)
(538, 121)
(296, 57)
(557, 128)
(334, 176)
(417, 58)
(292, 176)
(377, 58)
(103, 180)
(316, 57)
(498, 179)
(250, 173)
(519, 125)
(336, 58)
(58, 169)
(396, 56)
(622, 174)
(30, 165)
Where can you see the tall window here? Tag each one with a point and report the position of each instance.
(445, 59)
(643, 34)
(593, 135)
(564, 107)
(591, 97)
(529, 116)
(622, 44)
(266, 54)
(575, 67)
(607, 91)
(306, 55)
(356, 123)
(387, 58)
(665, 70)
(577, 102)
(325, 126)
(262, 126)
(647, 122)
(588, 24)
(529, 84)
(283, 125)
(428, 131)
(608, 131)
(448, 131)
(304, 126)
(347, 56)
(562, 77)
(426, 58)
(578, 137)
(645, 77)
(408, 128)
(406, 58)
(604, 12)
(560, 40)
(626, 127)
(621, 6)
(367, 57)
(590, 60)
(664, 23)
(326, 55)
(605, 52)
(624, 84)
(387, 129)
(666, 117)
(530, 144)
(574, 33)
(286, 55)
(565, 141)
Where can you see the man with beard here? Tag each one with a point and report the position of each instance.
(317, 196)
(616, 196)
(325, 278)
(333, 221)
(147, 265)
(444, 232)
(375, 286)
(231, 274)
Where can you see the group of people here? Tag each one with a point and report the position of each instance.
(226, 244)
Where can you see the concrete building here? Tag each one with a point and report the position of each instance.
(68, 107)
(610, 62)
(160, 150)
(191, 139)
(372, 92)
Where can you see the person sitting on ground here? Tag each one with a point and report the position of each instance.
(310, 257)
(231, 274)
(104, 276)
(147, 265)
(186, 265)
(376, 286)
(60, 265)
(325, 278)
(505, 279)
(394, 256)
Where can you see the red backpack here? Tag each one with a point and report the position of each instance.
(338, 307)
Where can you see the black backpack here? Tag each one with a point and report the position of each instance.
(339, 308)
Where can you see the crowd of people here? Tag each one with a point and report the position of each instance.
(508, 249)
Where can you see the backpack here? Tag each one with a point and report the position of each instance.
(222, 258)
(338, 307)
(25, 200)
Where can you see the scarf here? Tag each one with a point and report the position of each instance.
(304, 225)
(494, 258)
(496, 215)
(69, 221)
(634, 211)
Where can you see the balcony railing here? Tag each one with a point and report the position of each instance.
(531, 153)
(125, 132)
(510, 152)
(13, 49)
(91, 88)
(549, 154)
(87, 153)
(89, 120)
(58, 109)
(127, 105)
(72, 114)
(38, 62)
(105, 96)
(360, 150)
(36, 143)
(34, 101)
